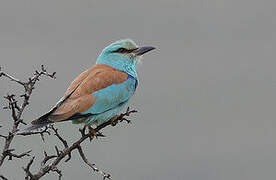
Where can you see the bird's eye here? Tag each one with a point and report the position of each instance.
(124, 50)
(121, 50)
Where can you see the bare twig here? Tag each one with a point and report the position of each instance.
(68, 150)
(29, 175)
(55, 169)
(11, 155)
(3, 177)
(2, 73)
(50, 162)
(46, 158)
(64, 142)
(2, 136)
(17, 109)
(103, 174)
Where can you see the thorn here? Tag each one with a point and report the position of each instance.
(57, 151)
(43, 68)
(99, 134)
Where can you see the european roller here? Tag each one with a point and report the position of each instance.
(101, 92)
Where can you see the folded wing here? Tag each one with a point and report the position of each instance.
(96, 90)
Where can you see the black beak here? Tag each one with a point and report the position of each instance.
(142, 50)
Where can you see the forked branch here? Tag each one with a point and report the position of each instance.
(49, 163)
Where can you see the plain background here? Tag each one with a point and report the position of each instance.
(206, 97)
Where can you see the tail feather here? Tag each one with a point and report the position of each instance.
(37, 124)
(44, 120)
(32, 128)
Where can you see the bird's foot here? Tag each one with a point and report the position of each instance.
(92, 133)
(114, 120)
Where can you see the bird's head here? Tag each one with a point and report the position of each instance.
(123, 55)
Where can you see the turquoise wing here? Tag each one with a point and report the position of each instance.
(112, 96)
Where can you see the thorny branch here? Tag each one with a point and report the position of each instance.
(104, 175)
(3, 177)
(50, 162)
(61, 154)
(16, 109)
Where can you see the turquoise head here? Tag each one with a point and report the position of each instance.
(123, 55)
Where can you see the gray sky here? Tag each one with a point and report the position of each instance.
(206, 95)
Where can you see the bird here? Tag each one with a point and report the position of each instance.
(101, 92)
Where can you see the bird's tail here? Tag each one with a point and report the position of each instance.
(32, 128)
(36, 124)
(44, 121)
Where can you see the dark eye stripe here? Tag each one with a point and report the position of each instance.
(123, 50)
